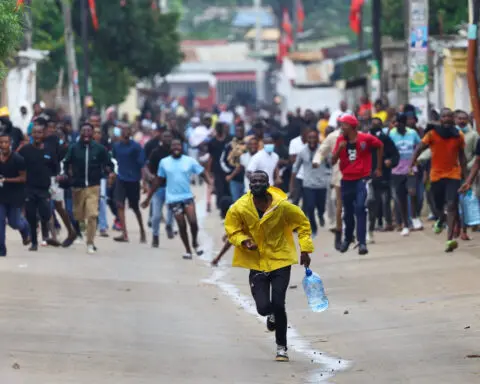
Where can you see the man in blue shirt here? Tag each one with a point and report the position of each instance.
(131, 160)
(175, 172)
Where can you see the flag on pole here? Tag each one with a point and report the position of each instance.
(19, 4)
(300, 16)
(356, 15)
(93, 13)
(282, 47)
(287, 28)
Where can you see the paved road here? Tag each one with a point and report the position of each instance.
(135, 315)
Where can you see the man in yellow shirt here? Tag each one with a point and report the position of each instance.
(260, 226)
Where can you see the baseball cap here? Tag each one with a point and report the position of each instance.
(348, 119)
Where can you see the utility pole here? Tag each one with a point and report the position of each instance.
(258, 47)
(377, 47)
(28, 26)
(360, 32)
(472, 73)
(295, 24)
(86, 60)
(73, 94)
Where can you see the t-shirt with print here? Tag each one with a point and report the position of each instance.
(445, 162)
(406, 145)
(178, 172)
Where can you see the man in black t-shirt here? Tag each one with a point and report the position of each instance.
(158, 200)
(216, 146)
(6, 125)
(40, 164)
(12, 194)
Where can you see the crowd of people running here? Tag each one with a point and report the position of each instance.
(374, 169)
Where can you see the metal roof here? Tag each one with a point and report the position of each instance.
(222, 66)
(245, 18)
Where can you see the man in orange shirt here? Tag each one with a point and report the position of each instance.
(448, 164)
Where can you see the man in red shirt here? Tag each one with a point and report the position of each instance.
(354, 151)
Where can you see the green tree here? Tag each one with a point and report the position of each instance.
(132, 42)
(450, 14)
(10, 31)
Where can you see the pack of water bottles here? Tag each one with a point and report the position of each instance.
(470, 208)
(315, 291)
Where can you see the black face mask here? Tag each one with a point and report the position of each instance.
(259, 190)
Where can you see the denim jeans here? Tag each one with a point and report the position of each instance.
(15, 221)
(237, 189)
(314, 198)
(158, 201)
(102, 211)
(354, 197)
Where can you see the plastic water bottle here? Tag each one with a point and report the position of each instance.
(313, 287)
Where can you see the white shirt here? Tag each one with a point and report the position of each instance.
(332, 122)
(198, 136)
(263, 161)
(244, 161)
(296, 146)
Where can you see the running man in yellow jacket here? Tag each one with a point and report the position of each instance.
(260, 226)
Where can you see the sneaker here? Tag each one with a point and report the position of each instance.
(199, 251)
(282, 354)
(451, 245)
(271, 323)
(362, 249)
(417, 224)
(104, 233)
(438, 227)
(187, 256)
(405, 231)
(370, 238)
(344, 246)
(321, 221)
(170, 233)
(91, 249)
(78, 240)
(431, 217)
(33, 248)
(44, 243)
(155, 241)
(68, 241)
(338, 240)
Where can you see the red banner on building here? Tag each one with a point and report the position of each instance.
(93, 13)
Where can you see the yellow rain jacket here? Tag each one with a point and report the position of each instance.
(273, 233)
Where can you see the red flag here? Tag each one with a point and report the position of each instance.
(286, 23)
(19, 4)
(300, 16)
(154, 5)
(282, 48)
(93, 13)
(356, 15)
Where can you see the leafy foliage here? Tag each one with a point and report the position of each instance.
(10, 30)
(451, 14)
(132, 42)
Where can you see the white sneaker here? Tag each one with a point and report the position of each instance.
(417, 224)
(405, 231)
(370, 239)
(91, 249)
(282, 354)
